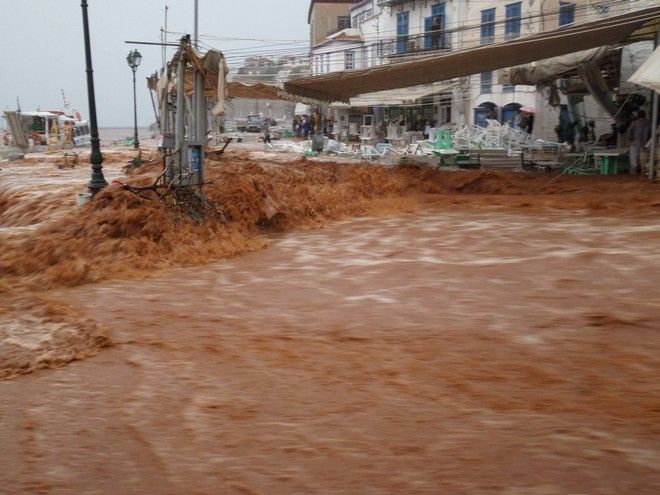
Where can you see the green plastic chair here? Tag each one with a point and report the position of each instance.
(444, 140)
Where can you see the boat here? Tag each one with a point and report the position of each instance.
(45, 130)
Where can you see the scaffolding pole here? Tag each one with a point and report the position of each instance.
(653, 150)
(181, 155)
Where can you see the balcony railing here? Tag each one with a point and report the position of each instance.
(412, 44)
(390, 3)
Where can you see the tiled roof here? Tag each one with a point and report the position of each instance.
(348, 34)
(342, 36)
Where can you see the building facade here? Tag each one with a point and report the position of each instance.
(326, 17)
(384, 31)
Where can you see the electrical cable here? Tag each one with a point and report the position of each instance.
(240, 54)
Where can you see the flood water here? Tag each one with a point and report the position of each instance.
(452, 351)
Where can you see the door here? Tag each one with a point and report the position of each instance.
(480, 116)
(437, 11)
(509, 113)
(401, 32)
(428, 37)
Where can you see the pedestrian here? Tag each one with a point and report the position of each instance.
(266, 131)
(306, 127)
(638, 133)
(436, 26)
(427, 129)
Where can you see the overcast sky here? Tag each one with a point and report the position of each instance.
(42, 48)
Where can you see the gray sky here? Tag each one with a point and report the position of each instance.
(43, 52)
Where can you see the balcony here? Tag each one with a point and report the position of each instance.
(391, 3)
(415, 44)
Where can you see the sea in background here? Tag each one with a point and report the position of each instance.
(114, 135)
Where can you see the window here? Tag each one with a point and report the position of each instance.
(401, 32)
(343, 22)
(487, 26)
(487, 82)
(349, 59)
(434, 26)
(508, 88)
(512, 24)
(327, 62)
(375, 50)
(360, 17)
(566, 13)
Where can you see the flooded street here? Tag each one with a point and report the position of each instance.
(456, 350)
(330, 247)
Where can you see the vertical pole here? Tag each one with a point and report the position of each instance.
(653, 150)
(97, 181)
(165, 119)
(193, 107)
(201, 110)
(162, 48)
(200, 125)
(164, 111)
(153, 105)
(196, 33)
(181, 155)
(136, 142)
(165, 39)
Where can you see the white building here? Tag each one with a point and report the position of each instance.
(339, 51)
(383, 31)
(372, 40)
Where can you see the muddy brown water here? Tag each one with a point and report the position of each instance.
(451, 351)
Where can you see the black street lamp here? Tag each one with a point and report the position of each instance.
(97, 181)
(134, 58)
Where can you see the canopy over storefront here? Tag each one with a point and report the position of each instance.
(258, 91)
(342, 86)
(648, 75)
(551, 68)
(401, 96)
(214, 70)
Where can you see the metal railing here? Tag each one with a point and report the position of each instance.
(413, 44)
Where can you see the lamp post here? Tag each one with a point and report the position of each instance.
(97, 181)
(134, 58)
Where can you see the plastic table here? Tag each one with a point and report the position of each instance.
(607, 161)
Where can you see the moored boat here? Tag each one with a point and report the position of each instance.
(45, 130)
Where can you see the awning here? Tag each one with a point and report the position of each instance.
(648, 74)
(258, 91)
(341, 86)
(551, 68)
(400, 96)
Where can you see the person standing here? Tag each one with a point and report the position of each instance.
(306, 127)
(638, 133)
(436, 26)
(266, 131)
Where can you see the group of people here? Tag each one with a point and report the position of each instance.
(306, 125)
(301, 126)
